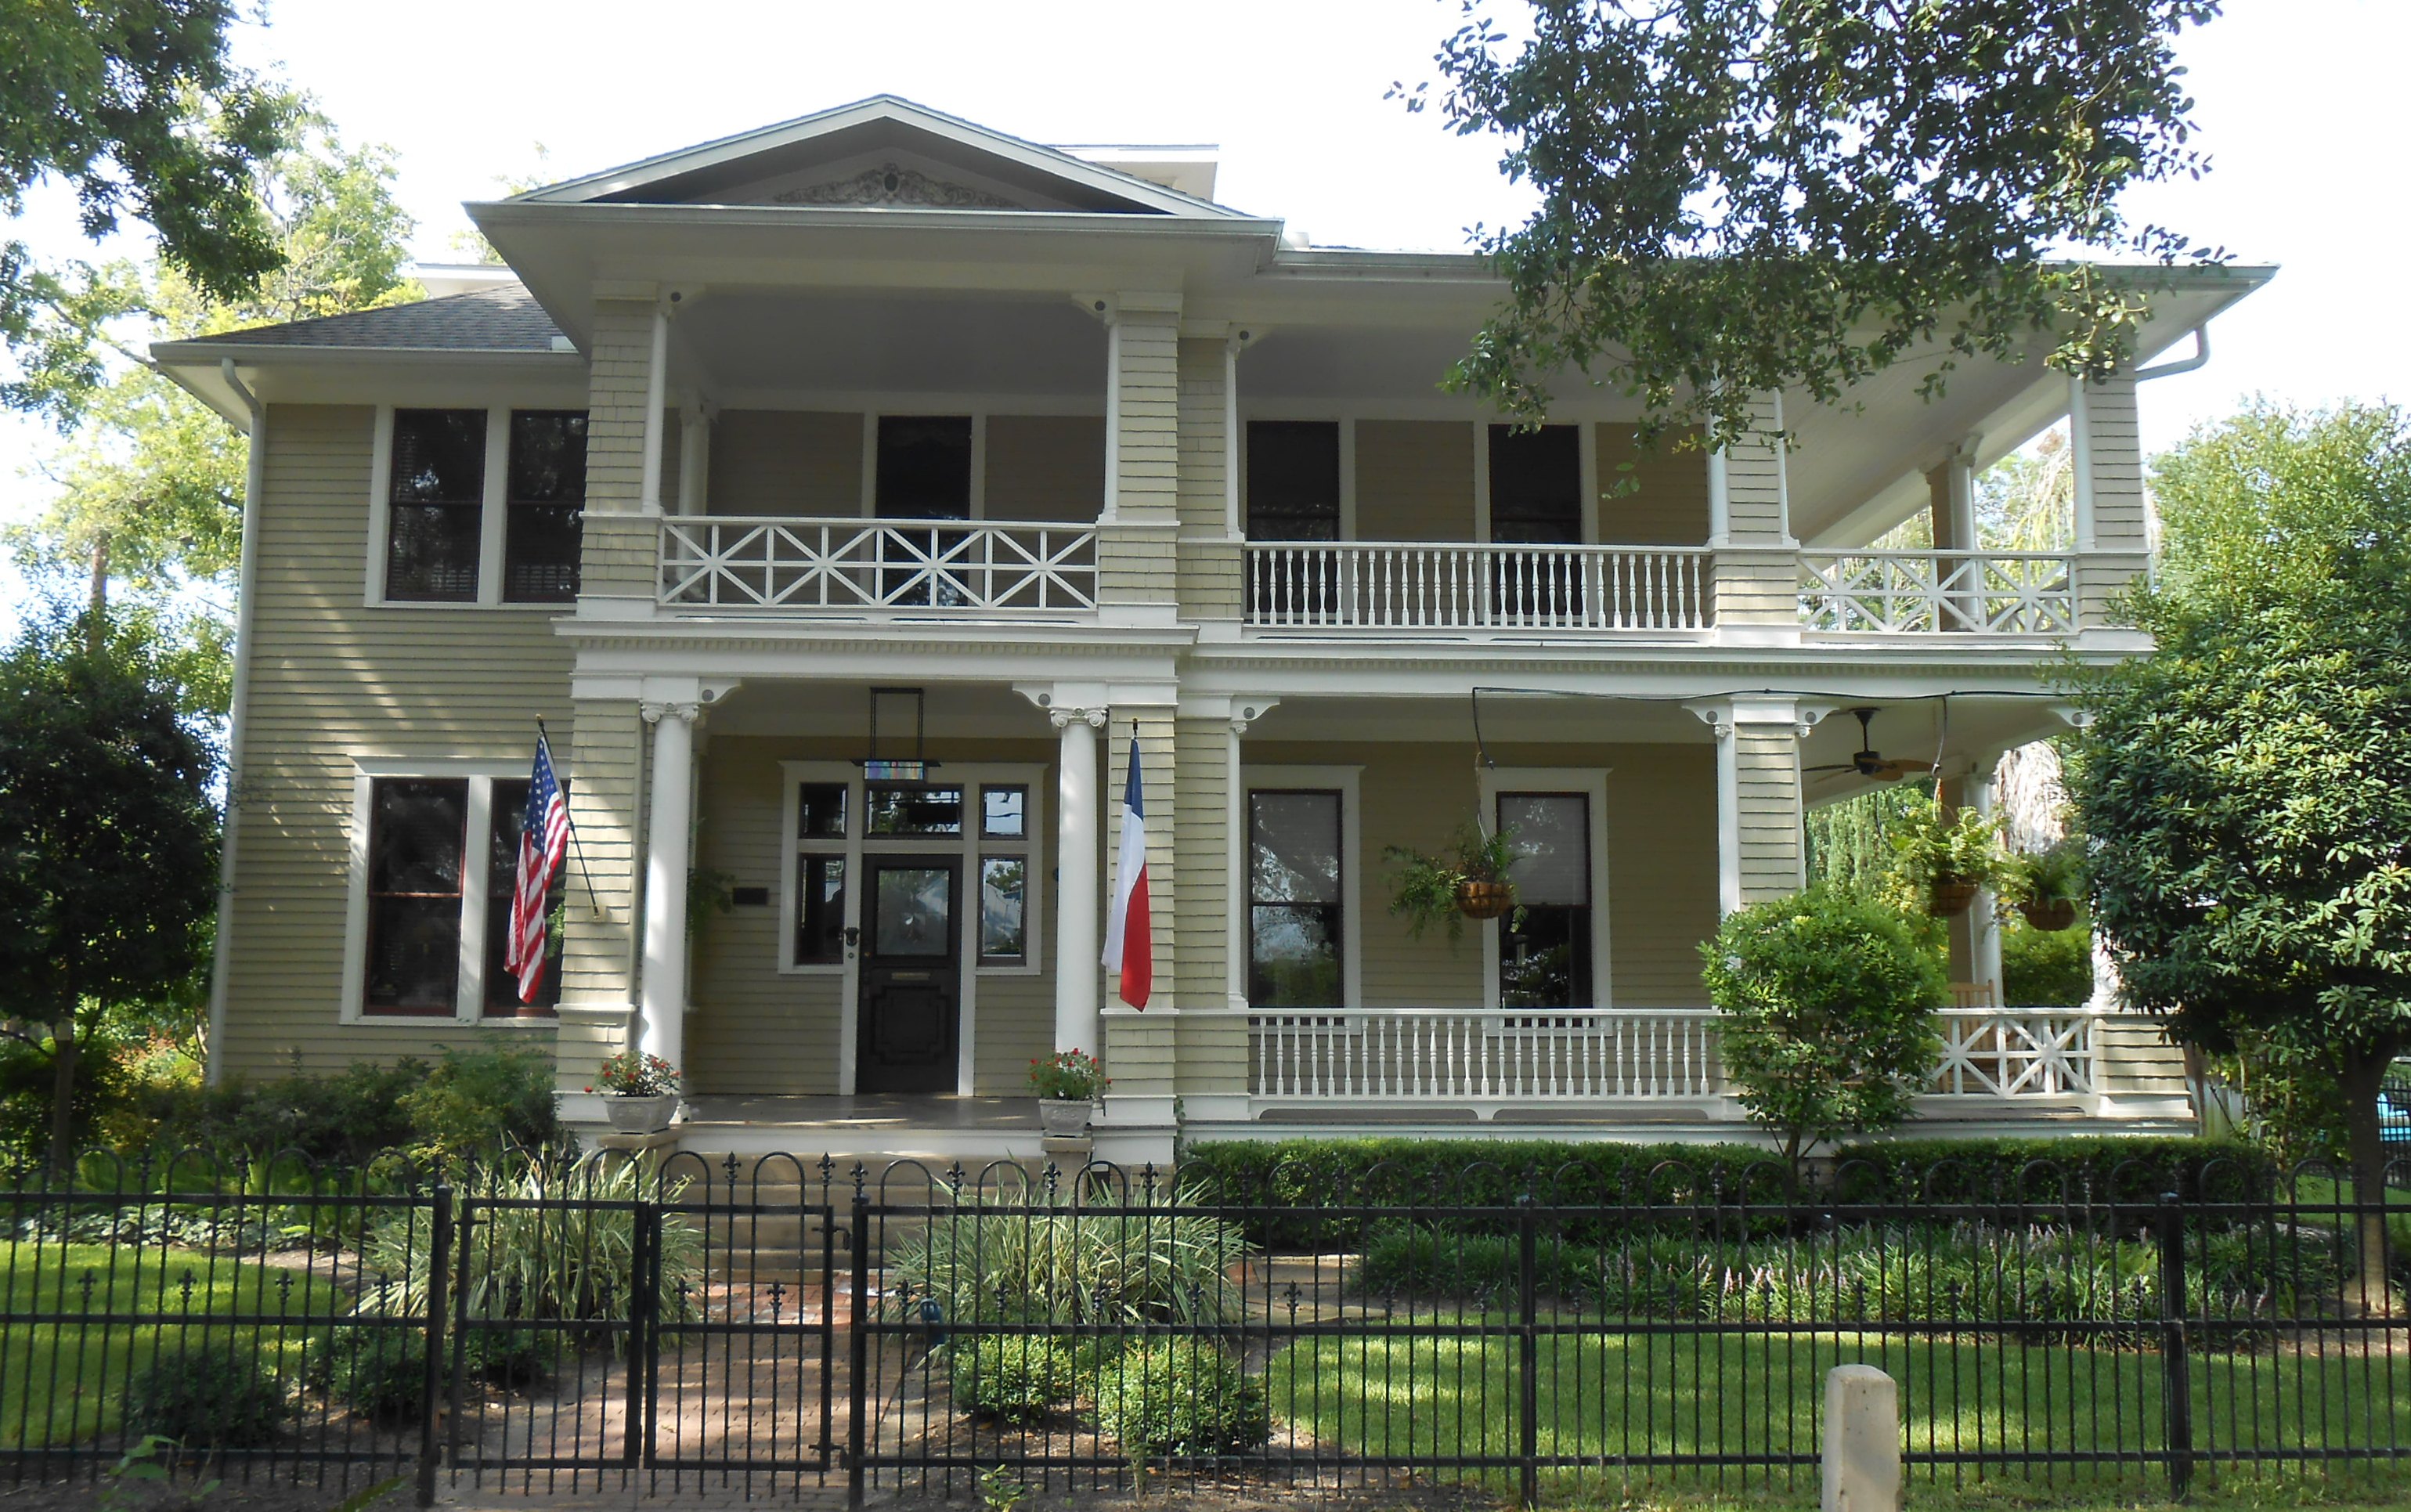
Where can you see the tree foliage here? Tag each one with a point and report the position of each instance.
(135, 107)
(1740, 196)
(107, 837)
(2252, 779)
(1828, 1003)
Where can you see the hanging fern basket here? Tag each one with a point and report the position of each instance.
(1484, 900)
(2049, 917)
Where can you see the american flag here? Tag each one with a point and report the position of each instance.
(544, 840)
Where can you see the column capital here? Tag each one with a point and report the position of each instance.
(1723, 714)
(655, 712)
(1062, 716)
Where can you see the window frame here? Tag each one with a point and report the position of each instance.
(1590, 783)
(469, 994)
(493, 520)
(1348, 781)
(1587, 456)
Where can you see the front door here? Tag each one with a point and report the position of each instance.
(911, 974)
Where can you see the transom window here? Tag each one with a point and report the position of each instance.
(1295, 919)
(988, 823)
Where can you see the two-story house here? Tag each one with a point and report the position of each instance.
(850, 497)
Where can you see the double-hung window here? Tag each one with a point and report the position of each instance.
(1545, 946)
(1296, 886)
(483, 506)
(1292, 480)
(502, 987)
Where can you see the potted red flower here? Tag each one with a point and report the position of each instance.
(1068, 1084)
(640, 1092)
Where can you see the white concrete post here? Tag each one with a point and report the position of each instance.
(694, 460)
(1985, 922)
(1076, 972)
(657, 388)
(2080, 461)
(1861, 1440)
(667, 842)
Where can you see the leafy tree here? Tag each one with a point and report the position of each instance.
(135, 107)
(1828, 1001)
(1740, 196)
(2252, 778)
(108, 842)
(151, 473)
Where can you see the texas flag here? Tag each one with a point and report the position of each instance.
(1128, 947)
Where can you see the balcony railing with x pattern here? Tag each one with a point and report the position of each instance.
(1991, 593)
(877, 567)
(2015, 1052)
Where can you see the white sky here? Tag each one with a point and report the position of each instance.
(2300, 104)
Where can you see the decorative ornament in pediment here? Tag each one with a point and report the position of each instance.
(894, 186)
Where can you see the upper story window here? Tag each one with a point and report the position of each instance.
(1535, 485)
(1292, 480)
(434, 518)
(484, 506)
(924, 467)
(547, 500)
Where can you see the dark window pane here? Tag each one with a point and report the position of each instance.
(414, 836)
(1004, 888)
(1292, 480)
(431, 552)
(501, 884)
(1544, 950)
(914, 811)
(1294, 956)
(548, 503)
(1294, 846)
(548, 457)
(415, 845)
(820, 925)
(924, 467)
(540, 546)
(1536, 485)
(439, 457)
(821, 808)
(1004, 813)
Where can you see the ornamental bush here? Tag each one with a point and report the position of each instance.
(1181, 1397)
(1017, 1378)
(215, 1396)
(1828, 1001)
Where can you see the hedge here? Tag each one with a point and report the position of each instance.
(2101, 1168)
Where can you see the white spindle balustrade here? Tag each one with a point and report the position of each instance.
(1402, 586)
(1413, 1055)
(859, 566)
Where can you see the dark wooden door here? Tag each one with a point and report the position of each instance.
(910, 973)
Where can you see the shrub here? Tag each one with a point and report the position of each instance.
(473, 1105)
(2046, 969)
(1068, 1265)
(1016, 1377)
(539, 1257)
(1181, 1397)
(213, 1396)
(2108, 1168)
(381, 1373)
(1284, 1189)
(1828, 1001)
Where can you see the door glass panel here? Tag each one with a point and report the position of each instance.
(1536, 485)
(914, 811)
(916, 905)
(923, 467)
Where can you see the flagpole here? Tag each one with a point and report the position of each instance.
(575, 844)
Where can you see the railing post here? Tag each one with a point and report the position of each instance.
(2176, 1368)
(1527, 1257)
(858, 1355)
(438, 1299)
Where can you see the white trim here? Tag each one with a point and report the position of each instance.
(481, 773)
(975, 499)
(1482, 479)
(1586, 473)
(1234, 519)
(870, 505)
(1591, 783)
(1111, 509)
(1347, 477)
(380, 511)
(1348, 780)
(493, 506)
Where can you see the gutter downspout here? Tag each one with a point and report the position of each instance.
(254, 482)
(2170, 370)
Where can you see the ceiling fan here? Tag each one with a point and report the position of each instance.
(1869, 762)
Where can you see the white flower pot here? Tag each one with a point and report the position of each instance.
(641, 1115)
(1064, 1117)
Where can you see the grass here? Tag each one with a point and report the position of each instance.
(66, 1382)
(1606, 1396)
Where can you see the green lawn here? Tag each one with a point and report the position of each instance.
(66, 1382)
(1606, 1397)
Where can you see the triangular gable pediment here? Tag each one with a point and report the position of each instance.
(882, 153)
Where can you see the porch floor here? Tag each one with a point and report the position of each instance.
(873, 1127)
(876, 1110)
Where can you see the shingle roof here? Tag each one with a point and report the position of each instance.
(502, 319)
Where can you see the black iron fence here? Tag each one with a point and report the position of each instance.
(768, 1325)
